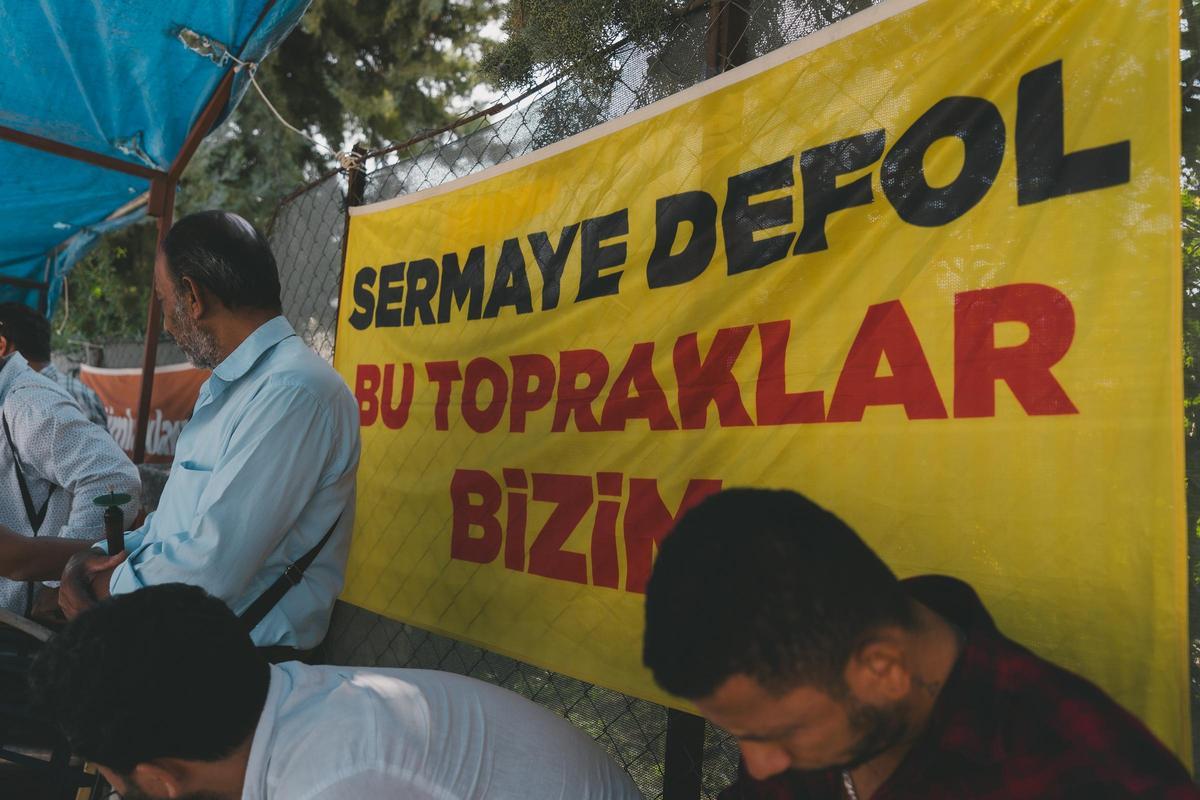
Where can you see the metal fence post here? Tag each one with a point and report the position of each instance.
(683, 768)
(683, 764)
(356, 187)
(725, 40)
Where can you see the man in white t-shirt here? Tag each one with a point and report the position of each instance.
(163, 689)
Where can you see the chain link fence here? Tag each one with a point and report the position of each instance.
(307, 234)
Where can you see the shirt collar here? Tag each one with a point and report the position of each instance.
(11, 366)
(960, 727)
(964, 721)
(252, 348)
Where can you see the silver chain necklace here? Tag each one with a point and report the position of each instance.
(848, 785)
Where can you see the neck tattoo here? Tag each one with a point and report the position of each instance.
(930, 687)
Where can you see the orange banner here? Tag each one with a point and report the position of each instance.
(171, 403)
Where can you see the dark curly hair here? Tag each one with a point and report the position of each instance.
(768, 584)
(164, 672)
(26, 329)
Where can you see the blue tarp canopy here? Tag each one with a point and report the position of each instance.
(128, 80)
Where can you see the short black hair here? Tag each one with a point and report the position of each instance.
(164, 672)
(227, 256)
(27, 329)
(768, 584)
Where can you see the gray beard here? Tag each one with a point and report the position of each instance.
(199, 345)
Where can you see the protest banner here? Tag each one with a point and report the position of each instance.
(923, 266)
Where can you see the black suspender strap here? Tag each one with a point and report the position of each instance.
(291, 576)
(36, 516)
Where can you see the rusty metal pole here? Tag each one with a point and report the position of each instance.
(357, 177)
(162, 205)
(712, 38)
(737, 40)
(164, 209)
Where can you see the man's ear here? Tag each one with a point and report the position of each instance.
(196, 301)
(879, 672)
(6, 346)
(160, 777)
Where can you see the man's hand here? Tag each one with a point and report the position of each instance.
(85, 581)
(45, 608)
(26, 558)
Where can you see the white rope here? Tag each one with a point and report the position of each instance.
(344, 159)
(220, 53)
(66, 293)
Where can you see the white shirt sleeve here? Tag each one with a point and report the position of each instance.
(54, 438)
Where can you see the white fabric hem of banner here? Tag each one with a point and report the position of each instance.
(134, 370)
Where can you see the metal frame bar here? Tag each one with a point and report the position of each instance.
(44, 292)
(43, 289)
(78, 154)
(23, 283)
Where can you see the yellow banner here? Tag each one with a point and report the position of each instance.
(922, 266)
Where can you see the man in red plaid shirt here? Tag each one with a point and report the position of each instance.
(840, 681)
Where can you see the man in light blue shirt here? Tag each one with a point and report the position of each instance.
(266, 466)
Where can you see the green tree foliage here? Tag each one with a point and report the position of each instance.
(551, 36)
(556, 35)
(584, 38)
(106, 296)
